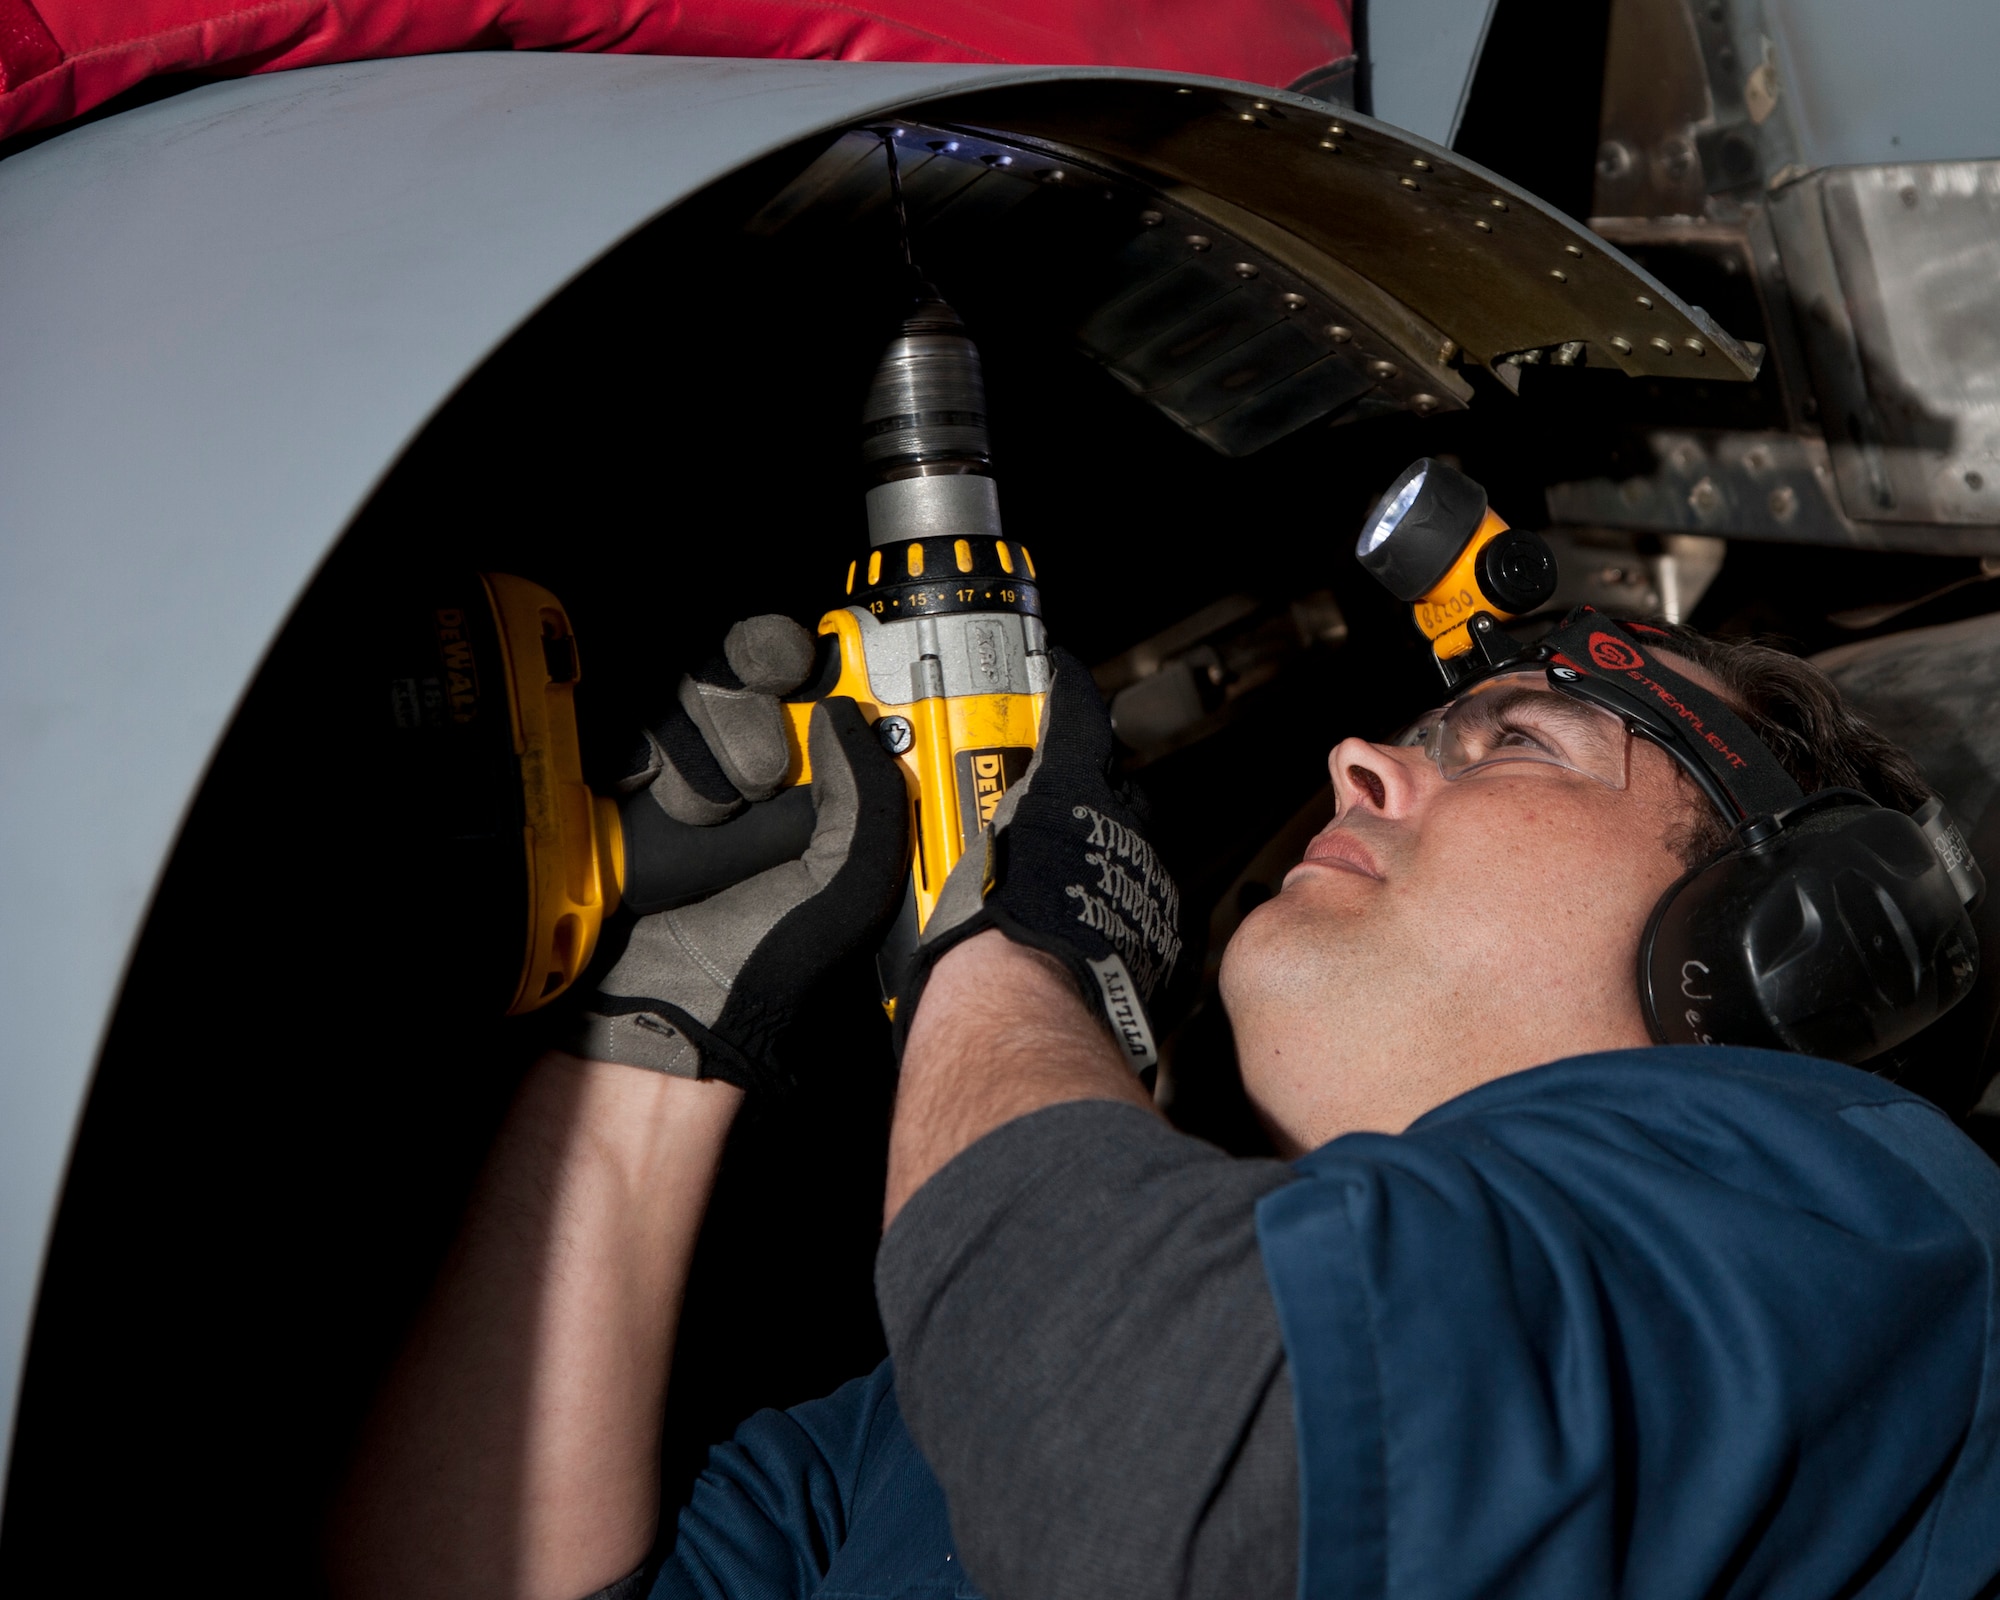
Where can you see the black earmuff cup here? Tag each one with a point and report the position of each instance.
(1840, 936)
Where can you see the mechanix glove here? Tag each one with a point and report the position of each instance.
(705, 990)
(1065, 868)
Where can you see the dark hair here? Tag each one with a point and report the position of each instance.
(1798, 713)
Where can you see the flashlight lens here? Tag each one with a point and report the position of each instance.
(1377, 532)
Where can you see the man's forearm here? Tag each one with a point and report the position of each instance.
(514, 1452)
(1000, 1032)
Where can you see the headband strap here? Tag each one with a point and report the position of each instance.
(1617, 665)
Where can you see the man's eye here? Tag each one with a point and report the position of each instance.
(1519, 736)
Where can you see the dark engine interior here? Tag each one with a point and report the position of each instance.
(302, 1076)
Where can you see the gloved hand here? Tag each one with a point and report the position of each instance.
(1065, 868)
(706, 989)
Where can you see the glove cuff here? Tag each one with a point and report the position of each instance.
(1105, 987)
(660, 1038)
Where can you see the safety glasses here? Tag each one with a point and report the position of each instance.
(1517, 717)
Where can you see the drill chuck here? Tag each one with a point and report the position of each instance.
(924, 445)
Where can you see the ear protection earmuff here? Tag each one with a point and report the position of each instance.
(1827, 924)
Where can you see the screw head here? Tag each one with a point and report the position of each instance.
(1328, 144)
(1664, 346)
(1497, 203)
(1150, 219)
(1621, 344)
(896, 734)
(1199, 242)
(1482, 224)
(1420, 164)
(1559, 275)
(1694, 347)
(1408, 183)
(1575, 250)
(1384, 370)
(1335, 131)
(1246, 116)
(1339, 334)
(1244, 270)
(1645, 300)
(1293, 302)
(1423, 404)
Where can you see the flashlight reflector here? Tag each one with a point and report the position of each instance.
(1390, 517)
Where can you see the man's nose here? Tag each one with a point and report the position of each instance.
(1371, 779)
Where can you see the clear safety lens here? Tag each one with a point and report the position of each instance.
(1518, 717)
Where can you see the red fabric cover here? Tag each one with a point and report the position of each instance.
(59, 58)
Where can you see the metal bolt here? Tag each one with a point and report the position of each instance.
(1199, 242)
(1783, 501)
(1568, 354)
(1497, 203)
(1645, 300)
(1446, 350)
(1150, 219)
(896, 734)
(1408, 183)
(1423, 404)
(1482, 224)
(1244, 270)
(1338, 334)
(1420, 164)
(1694, 347)
(1574, 249)
(1621, 344)
(1328, 144)
(1705, 498)
(1559, 275)
(1385, 370)
(1664, 346)
(1335, 131)
(1293, 302)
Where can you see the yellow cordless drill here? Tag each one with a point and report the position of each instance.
(939, 640)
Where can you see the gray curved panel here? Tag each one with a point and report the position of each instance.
(222, 316)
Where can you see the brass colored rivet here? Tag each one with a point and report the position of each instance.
(1199, 241)
(1423, 404)
(1695, 347)
(1150, 219)
(1482, 224)
(1328, 144)
(1338, 334)
(1261, 105)
(1559, 275)
(1336, 131)
(1384, 370)
(1497, 203)
(1622, 345)
(1408, 183)
(1244, 270)
(1664, 346)
(1184, 91)
(1293, 302)
(1420, 164)
(1246, 116)
(1574, 249)
(1646, 300)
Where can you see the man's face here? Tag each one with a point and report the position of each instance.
(1442, 933)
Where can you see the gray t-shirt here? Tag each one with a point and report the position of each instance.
(1088, 1356)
